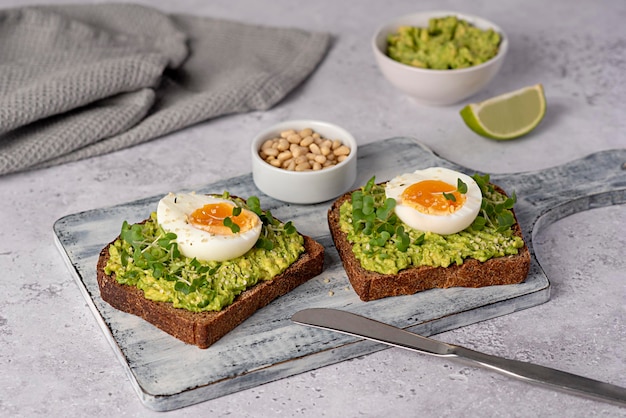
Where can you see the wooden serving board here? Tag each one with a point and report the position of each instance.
(168, 374)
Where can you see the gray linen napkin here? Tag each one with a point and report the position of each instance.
(78, 81)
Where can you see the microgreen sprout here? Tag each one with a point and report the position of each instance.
(449, 196)
(162, 257)
(461, 187)
(373, 214)
(494, 211)
(228, 221)
(271, 225)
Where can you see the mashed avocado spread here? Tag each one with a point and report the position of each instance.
(388, 246)
(146, 256)
(447, 43)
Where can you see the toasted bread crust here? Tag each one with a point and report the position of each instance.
(205, 328)
(370, 285)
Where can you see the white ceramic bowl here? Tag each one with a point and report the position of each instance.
(305, 187)
(436, 87)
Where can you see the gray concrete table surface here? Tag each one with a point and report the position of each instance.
(55, 360)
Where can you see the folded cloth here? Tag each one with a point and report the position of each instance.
(78, 81)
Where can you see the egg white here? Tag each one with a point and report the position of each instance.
(440, 224)
(172, 213)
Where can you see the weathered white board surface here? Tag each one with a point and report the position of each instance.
(168, 374)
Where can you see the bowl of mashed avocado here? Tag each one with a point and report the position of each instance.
(439, 57)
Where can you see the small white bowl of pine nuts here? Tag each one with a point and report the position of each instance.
(304, 161)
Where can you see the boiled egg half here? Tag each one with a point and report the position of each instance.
(422, 204)
(198, 222)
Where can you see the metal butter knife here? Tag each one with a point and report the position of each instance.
(359, 326)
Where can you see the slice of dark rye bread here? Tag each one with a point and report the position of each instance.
(205, 328)
(370, 285)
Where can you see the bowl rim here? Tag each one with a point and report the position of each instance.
(502, 49)
(257, 140)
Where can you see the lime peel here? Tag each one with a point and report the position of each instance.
(510, 115)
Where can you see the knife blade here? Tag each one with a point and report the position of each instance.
(360, 326)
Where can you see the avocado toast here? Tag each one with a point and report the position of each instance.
(143, 272)
(378, 270)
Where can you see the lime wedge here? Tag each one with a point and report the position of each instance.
(507, 116)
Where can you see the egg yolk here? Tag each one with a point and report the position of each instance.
(210, 218)
(428, 197)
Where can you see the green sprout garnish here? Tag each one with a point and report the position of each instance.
(461, 187)
(160, 252)
(272, 225)
(449, 196)
(373, 212)
(228, 221)
(494, 211)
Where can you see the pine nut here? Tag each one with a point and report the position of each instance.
(306, 132)
(303, 166)
(315, 149)
(283, 144)
(285, 155)
(306, 141)
(298, 151)
(294, 138)
(342, 150)
(285, 134)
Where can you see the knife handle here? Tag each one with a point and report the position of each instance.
(545, 375)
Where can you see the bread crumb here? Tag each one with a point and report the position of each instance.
(326, 280)
(331, 293)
